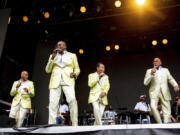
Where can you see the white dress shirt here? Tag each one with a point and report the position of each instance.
(23, 85)
(158, 73)
(101, 81)
(142, 106)
(61, 59)
(63, 108)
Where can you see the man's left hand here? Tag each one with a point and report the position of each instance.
(102, 94)
(26, 90)
(176, 88)
(73, 75)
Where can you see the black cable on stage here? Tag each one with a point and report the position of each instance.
(27, 130)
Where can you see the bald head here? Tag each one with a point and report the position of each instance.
(24, 75)
(61, 45)
(157, 62)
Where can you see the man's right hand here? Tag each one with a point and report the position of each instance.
(153, 71)
(18, 85)
(176, 88)
(102, 94)
(101, 75)
(54, 54)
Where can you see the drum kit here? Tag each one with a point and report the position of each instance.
(121, 116)
(29, 119)
(110, 117)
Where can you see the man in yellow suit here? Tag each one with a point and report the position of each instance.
(22, 90)
(64, 69)
(158, 77)
(99, 87)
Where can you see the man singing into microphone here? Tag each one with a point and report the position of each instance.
(158, 77)
(99, 87)
(22, 90)
(64, 69)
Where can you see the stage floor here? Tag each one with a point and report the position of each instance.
(129, 129)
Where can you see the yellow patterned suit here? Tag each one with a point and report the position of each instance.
(56, 71)
(97, 86)
(159, 90)
(60, 80)
(21, 101)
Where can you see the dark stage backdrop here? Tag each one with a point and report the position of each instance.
(126, 73)
(4, 16)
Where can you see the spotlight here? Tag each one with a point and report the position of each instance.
(46, 15)
(71, 13)
(116, 47)
(140, 2)
(38, 21)
(25, 19)
(117, 3)
(46, 32)
(9, 20)
(154, 42)
(165, 41)
(83, 9)
(81, 51)
(98, 9)
(108, 48)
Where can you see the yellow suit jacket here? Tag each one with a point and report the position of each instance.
(96, 88)
(23, 98)
(157, 86)
(58, 72)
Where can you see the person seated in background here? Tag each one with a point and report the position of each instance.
(175, 101)
(110, 112)
(143, 107)
(30, 117)
(63, 110)
(88, 112)
(175, 111)
(159, 108)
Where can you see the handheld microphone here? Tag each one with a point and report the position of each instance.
(58, 50)
(20, 82)
(156, 67)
